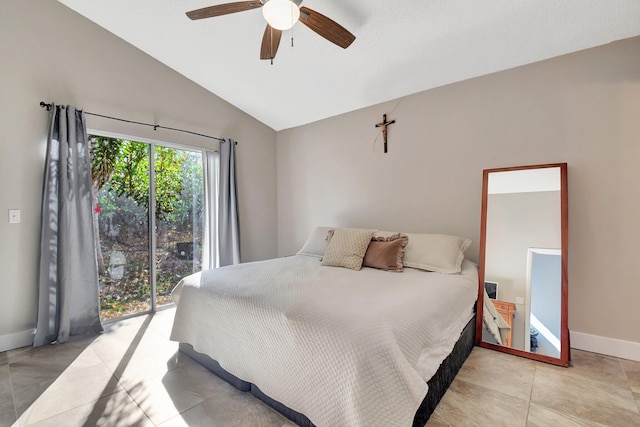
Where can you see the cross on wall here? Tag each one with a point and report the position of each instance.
(384, 125)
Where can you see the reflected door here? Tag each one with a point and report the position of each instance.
(544, 301)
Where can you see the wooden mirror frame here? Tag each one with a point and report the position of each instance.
(564, 358)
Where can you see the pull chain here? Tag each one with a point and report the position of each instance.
(294, 24)
(271, 44)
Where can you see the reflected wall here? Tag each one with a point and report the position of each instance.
(515, 223)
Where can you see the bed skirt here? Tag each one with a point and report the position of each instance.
(438, 384)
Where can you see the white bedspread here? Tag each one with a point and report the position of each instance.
(343, 347)
(493, 321)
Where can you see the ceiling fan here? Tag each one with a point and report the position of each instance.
(281, 15)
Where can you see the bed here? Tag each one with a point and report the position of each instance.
(331, 346)
(495, 328)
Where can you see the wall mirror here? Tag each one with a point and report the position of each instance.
(523, 287)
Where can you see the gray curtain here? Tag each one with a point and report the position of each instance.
(228, 222)
(68, 301)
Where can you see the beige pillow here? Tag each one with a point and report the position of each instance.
(347, 248)
(435, 252)
(385, 253)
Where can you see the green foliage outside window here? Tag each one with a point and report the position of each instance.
(124, 166)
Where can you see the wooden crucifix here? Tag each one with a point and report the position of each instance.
(384, 125)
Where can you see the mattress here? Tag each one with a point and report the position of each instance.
(342, 347)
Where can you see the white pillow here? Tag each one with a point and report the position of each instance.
(316, 244)
(435, 252)
(347, 248)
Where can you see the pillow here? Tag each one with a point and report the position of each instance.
(381, 233)
(435, 252)
(316, 244)
(329, 235)
(385, 253)
(347, 248)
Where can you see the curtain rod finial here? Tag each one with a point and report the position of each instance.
(45, 105)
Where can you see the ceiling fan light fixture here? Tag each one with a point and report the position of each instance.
(281, 14)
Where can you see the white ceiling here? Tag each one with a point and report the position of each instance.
(402, 47)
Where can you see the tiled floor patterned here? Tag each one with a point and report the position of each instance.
(133, 375)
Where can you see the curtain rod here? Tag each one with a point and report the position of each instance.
(155, 127)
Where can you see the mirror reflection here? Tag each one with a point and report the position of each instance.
(523, 261)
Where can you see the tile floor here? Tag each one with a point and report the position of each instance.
(132, 375)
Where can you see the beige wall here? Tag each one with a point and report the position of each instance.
(582, 108)
(50, 53)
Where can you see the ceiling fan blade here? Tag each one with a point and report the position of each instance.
(223, 9)
(270, 42)
(326, 27)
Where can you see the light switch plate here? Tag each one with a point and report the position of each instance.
(14, 216)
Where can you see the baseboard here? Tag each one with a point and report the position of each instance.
(608, 346)
(16, 340)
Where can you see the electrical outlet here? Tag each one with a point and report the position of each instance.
(14, 216)
(519, 300)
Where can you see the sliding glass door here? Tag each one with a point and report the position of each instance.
(179, 217)
(148, 221)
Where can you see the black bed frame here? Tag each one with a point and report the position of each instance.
(438, 384)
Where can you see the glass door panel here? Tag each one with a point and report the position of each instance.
(120, 170)
(179, 199)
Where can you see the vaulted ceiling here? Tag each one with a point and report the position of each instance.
(401, 47)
